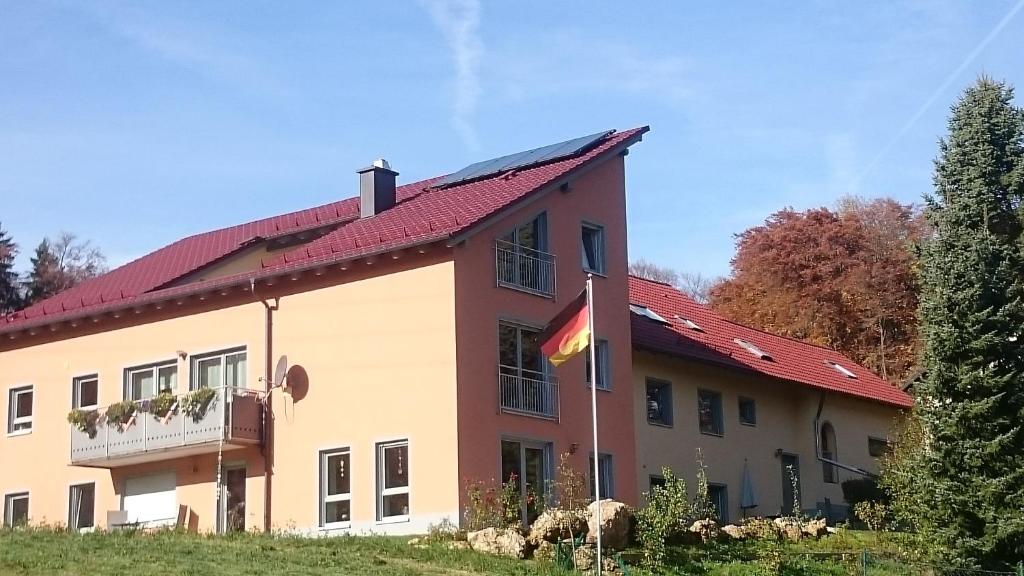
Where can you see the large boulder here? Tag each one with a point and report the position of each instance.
(554, 525)
(734, 532)
(500, 542)
(815, 528)
(790, 528)
(707, 530)
(545, 551)
(616, 519)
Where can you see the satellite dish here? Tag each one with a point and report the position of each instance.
(281, 372)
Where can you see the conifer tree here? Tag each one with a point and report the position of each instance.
(10, 299)
(45, 278)
(971, 401)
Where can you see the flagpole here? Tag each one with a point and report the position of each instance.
(594, 371)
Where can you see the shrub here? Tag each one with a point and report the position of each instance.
(492, 506)
(119, 414)
(857, 490)
(161, 405)
(84, 420)
(569, 486)
(666, 517)
(195, 403)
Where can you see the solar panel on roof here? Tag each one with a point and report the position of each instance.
(540, 155)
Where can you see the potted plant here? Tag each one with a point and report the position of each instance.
(162, 404)
(119, 414)
(195, 403)
(84, 420)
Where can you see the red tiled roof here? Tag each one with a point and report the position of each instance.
(421, 215)
(791, 360)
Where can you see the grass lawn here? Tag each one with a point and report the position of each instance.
(41, 551)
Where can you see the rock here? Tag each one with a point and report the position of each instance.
(616, 519)
(584, 557)
(761, 529)
(504, 542)
(609, 565)
(458, 545)
(545, 552)
(735, 532)
(790, 528)
(554, 525)
(815, 528)
(706, 529)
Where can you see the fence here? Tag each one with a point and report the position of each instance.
(867, 563)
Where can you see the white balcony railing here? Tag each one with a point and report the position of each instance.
(527, 392)
(524, 268)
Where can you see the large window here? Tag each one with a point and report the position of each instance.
(528, 466)
(85, 392)
(16, 509)
(525, 386)
(603, 381)
(659, 402)
(335, 487)
(219, 369)
(709, 412)
(522, 259)
(748, 411)
(606, 474)
(719, 496)
(593, 248)
(828, 452)
(19, 410)
(82, 506)
(393, 480)
(142, 382)
(877, 447)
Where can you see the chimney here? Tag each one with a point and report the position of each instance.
(376, 188)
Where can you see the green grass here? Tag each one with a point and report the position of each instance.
(43, 551)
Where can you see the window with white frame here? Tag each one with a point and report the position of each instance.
(593, 248)
(393, 480)
(16, 509)
(335, 487)
(82, 506)
(85, 392)
(19, 410)
(603, 381)
(143, 382)
(219, 369)
(606, 475)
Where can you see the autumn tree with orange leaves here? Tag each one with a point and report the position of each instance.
(841, 278)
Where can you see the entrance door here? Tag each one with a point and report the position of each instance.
(790, 478)
(529, 464)
(231, 516)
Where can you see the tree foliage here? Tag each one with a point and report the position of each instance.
(9, 295)
(971, 400)
(60, 264)
(694, 284)
(843, 279)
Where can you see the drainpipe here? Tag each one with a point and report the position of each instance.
(266, 414)
(817, 445)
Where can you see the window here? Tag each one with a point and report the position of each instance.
(842, 370)
(142, 382)
(659, 402)
(656, 481)
(393, 480)
(606, 473)
(689, 324)
(220, 369)
(719, 496)
(525, 386)
(748, 411)
(335, 487)
(645, 311)
(828, 452)
(749, 347)
(709, 412)
(522, 260)
(82, 506)
(529, 463)
(16, 509)
(85, 392)
(603, 383)
(878, 447)
(19, 410)
(593, 248)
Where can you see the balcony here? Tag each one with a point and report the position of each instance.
(228, 419)
(527, 392)
(526, 269)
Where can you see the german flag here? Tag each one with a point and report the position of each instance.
(568, 333)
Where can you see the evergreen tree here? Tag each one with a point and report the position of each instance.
(971, 402)
(45, 278)
(9, 294)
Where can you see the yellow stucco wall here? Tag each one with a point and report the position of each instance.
(379, 352)
(785, 421)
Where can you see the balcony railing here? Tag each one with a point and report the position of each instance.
(524, 268)
(527, 392)
(230, 419)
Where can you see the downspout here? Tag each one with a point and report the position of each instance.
(266, 414)
(817, 445)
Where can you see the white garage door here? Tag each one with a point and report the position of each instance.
(150, 500)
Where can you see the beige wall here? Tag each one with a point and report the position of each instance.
(379, 352)
(785, 420)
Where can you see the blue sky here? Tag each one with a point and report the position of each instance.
(136, 123)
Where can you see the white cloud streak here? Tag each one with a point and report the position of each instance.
(459, 23)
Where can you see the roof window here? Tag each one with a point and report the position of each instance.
(689, 323)
(749, 347)
(841, 369)
(645, 311)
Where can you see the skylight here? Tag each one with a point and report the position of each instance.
(689, 323)
(841, 369)
(749, 347)
(645, 311)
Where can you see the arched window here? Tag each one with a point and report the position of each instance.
(828, 452)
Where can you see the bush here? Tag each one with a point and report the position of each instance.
(666, 517)
(859, 490)
(492, 506)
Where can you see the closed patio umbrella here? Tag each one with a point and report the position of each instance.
(747, 498)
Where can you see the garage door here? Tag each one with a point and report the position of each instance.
(150, 500)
